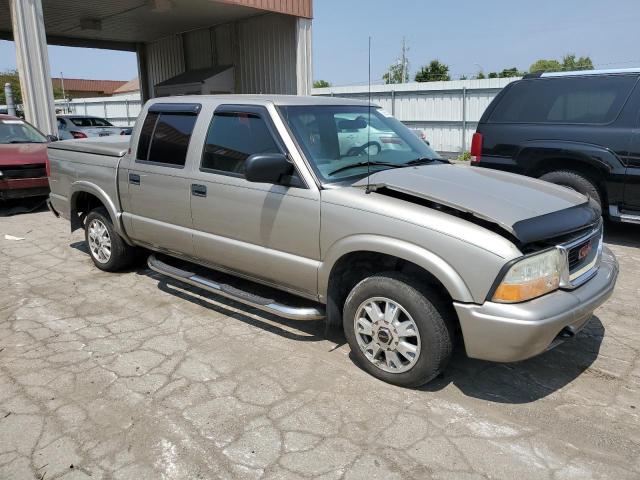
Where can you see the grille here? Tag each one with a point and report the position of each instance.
(26, 171)
(583, 257)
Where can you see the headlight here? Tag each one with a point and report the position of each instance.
(531, 277)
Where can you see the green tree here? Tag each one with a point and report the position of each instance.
(433, 72)
(464, 77)
(321, 84)
(11, 76)
(544, 65)
(510, 72)
(395, 73)
(570, 62)
(493, 74)
(480, 75)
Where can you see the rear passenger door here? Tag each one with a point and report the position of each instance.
(632, 177)
(267, 232)
(158, 211)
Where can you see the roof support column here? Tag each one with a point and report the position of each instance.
(33, 64)
(304, 70)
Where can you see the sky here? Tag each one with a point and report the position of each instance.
(467, 35)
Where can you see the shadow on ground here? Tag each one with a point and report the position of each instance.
(622, 234)
(514, 383)
(525, 381)
(9, 208)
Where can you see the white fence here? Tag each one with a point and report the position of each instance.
(120, 110)
(448, 112)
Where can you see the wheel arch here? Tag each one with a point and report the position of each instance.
(349, 259)
(86, 196)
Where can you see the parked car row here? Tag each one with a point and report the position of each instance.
(23, 152)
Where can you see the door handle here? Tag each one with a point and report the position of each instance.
(134, 179)
(198, 190)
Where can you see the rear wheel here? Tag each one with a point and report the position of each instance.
(398, 330)
(107, 249)
(575, 181)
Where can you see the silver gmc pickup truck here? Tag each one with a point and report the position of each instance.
(313, 208)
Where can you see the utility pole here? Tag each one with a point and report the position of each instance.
(8, 95)
(64, 96)
(404, 60)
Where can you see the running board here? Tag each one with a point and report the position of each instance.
(228, 291)
(615, 212)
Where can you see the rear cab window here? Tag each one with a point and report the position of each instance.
(565, 100)
(166, 133)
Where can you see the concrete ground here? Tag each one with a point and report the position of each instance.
(127, 376)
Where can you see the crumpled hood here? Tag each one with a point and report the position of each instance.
(528, 208)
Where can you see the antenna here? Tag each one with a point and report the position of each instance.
(368, 190)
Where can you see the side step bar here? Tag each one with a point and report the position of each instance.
(615, 212)
(262, 303)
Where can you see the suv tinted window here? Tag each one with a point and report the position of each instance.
(234, 137)
(169, 135)
(589, 100)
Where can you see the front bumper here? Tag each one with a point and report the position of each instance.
(512, 332)
(23, 187)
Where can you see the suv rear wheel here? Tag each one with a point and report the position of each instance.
(575, 181)
(107, 249)
(398, 330)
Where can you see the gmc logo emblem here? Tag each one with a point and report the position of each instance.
(584, 251)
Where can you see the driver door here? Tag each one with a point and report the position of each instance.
(269, 233)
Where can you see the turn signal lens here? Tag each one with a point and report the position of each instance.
(531, 277)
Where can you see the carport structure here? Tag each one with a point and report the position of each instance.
(267, 42)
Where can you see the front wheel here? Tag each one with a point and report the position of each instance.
(398, 330)
(107, 249)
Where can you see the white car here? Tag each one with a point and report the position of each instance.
(84, 126)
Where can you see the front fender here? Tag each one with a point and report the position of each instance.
(88, 187)
(431, 262)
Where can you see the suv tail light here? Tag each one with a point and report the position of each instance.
(77, 134)
(476, 148)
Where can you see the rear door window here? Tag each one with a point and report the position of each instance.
(581, 100)
(232, 138)
(164, 137)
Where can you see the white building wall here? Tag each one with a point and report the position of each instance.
(121, 110)
(435, 107)
(263, 50)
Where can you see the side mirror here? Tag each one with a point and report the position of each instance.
(267, 168)
(52, 138)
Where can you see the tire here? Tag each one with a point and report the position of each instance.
(420, 304)
(98, 229)
(575, 181)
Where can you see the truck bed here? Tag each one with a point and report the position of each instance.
(115, 146)
(90, 165)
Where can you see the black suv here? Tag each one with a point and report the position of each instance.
(577, 129)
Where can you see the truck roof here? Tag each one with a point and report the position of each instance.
(285, 100)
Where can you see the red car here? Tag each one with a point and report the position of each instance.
(23, 159)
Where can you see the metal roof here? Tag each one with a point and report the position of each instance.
(194, 76)
(131, 86)
(119, 24)
(83, 85)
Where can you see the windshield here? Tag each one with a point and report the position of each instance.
(90, 122)
(19, 131)
(339, 140)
